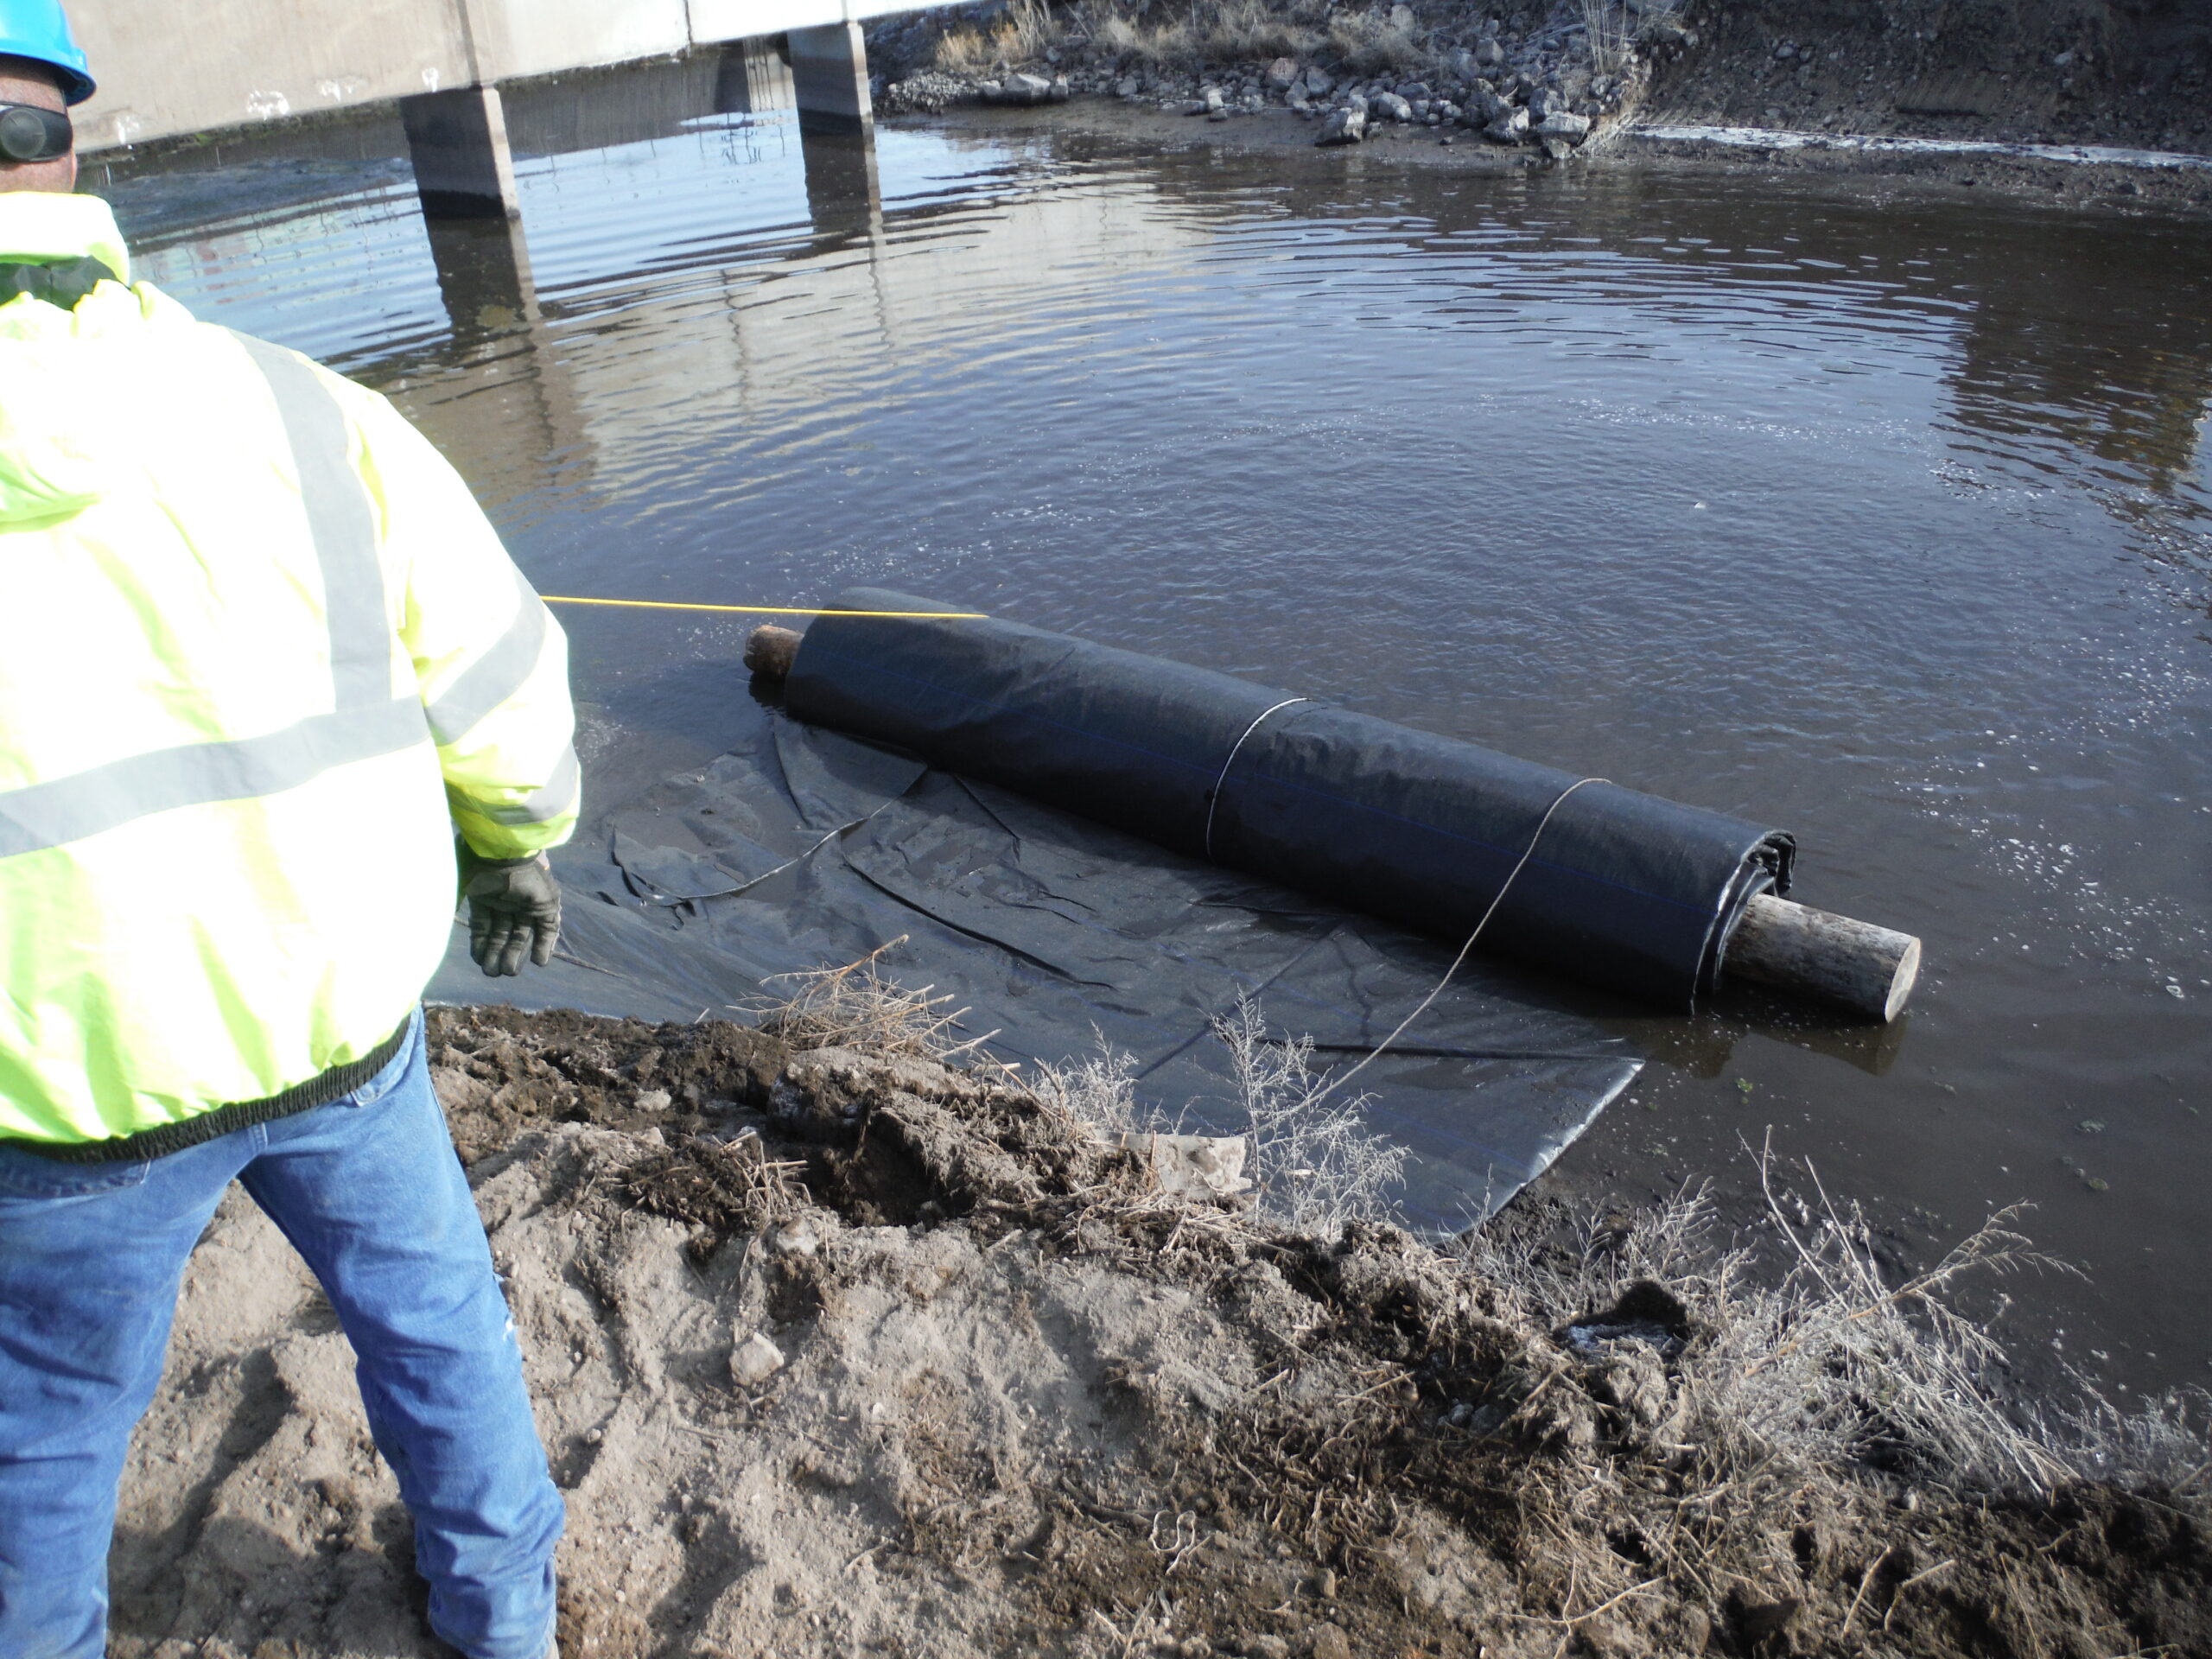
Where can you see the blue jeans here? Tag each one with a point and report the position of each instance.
(368, 1190)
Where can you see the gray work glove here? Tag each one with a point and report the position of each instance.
(514, 910)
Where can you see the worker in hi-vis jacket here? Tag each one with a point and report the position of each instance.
(261, 660)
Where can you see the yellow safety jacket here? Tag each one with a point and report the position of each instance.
(260, 652)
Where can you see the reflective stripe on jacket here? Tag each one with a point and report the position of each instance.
(260, 651)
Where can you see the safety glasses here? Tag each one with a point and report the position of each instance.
(30, 133)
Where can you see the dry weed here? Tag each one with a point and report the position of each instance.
(1222, 31)
(1121, 35)
(1243, 30)
(1837, 1365)
(1023, 35)
(1826, 1366)
(723, 1187)
(1156, 34)
(858, 1007)
(964, 51)
(1100, 1090)
(2163, 1443)
(1748, 1412)
(1608, 30)
(1316, 1162)
(1375, 42)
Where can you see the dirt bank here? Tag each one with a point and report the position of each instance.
(2122, 73)
(1490, 87)
(840, 1349)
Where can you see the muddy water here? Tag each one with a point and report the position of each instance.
(1889, 522)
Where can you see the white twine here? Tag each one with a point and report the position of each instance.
(1213, 804)
(1336, 1083)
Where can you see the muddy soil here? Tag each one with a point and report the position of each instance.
(842, 1352)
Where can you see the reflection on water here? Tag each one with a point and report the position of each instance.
(2046, 358)
(484, 278)
(1888, 522)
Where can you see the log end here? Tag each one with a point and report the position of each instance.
(1902, 982)
(769, 650)
(1810, 953)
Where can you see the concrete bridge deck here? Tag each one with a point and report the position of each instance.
(165, 70)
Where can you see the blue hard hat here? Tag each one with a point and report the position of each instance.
(40, 29)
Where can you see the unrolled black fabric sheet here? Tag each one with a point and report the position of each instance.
(804, 848)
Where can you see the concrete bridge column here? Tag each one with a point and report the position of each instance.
(829, 73)
(463, 168)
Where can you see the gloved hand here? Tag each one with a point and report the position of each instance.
(514, 909)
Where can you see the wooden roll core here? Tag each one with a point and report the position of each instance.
(1811, 953)
(769, 650)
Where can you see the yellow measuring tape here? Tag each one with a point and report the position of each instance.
(762, 610)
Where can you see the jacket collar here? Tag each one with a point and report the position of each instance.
(40, 227)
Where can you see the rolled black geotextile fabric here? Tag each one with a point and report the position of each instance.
(1624, 891)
